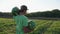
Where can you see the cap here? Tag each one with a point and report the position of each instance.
(24, 7)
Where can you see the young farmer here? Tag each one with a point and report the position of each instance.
(21, 20)
(23, 26)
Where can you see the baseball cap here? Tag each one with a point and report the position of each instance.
(24, 7)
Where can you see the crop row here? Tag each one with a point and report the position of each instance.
(42, 28)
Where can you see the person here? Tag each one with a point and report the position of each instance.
(21, 20)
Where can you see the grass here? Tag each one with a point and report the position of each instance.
(8, 26)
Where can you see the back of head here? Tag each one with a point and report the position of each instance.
(23, 7)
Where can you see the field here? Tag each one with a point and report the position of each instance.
(7, 26)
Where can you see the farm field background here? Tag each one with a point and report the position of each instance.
(7, 26)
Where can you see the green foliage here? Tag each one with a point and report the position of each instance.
(52, 14)
(8, 26)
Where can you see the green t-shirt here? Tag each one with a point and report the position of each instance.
(21, 21)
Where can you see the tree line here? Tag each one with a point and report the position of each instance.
(51, 14)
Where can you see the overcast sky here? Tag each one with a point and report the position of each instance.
(33, 5)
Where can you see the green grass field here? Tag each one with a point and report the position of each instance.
(7, 26)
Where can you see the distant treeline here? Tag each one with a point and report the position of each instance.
(5, 15)
(50, 14)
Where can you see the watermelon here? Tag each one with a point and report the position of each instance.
(31, 25)
(15, 11)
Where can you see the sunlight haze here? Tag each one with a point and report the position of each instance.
(33, 5)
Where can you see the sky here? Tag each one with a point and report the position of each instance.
(33, 5)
